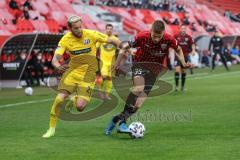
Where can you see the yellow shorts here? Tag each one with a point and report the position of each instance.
(79, 82)
(106, 70)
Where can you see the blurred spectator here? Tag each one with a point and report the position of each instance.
(193, 27)
(13, 4)
(195, 59)
(25, 13)
(235, 53)
(166, 5)
(166, 20)
(205, 59)
(28, 5)
(180, 8)
(38, 64)
(27, 75)
(176, 22)
(186, 20)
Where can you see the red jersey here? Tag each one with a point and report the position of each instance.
(148, 51)
(185, 42)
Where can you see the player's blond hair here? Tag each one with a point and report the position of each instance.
(73, 19)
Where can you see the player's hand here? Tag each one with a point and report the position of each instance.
(62, 68)
(115, 67)
(188, 65)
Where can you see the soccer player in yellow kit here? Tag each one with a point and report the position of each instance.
(79, 75)
(107, 58)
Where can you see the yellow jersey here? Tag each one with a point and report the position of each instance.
(107, 51)
(82, 50)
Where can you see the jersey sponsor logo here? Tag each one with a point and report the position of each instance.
(86, 41)
(109, 47)
(186, 39)
(81, 51)
(158, 53)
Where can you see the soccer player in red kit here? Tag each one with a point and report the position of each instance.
(152, 48)
(185, 41)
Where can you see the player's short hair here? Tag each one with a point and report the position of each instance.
(73, 19)
(109, 25)
(158, 26)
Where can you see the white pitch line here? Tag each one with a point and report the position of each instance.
(28, 102)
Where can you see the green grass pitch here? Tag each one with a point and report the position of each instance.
(201, 124)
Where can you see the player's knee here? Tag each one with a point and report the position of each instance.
(138, 90)
(81, 104)
(80, 108)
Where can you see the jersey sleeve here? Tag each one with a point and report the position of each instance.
(100, 37)
(191, 41)
(135, 42)
(61, 49)
(98, 44)
(173, 43)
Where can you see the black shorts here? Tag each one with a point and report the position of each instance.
(177, 62)
(148, 75)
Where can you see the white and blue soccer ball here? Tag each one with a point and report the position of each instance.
(28, 91)
(136, 129)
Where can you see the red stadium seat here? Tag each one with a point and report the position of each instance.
(3, 4)
(24, 25)
(59, 17)
(40, 7)
(53, 26)
(40, 26)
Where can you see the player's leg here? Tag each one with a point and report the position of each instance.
(108, 87)
(54, 114)
(184, 74)
(107, 80)
(183, 79)
(214, 56)
(129, 109)
(223, 59)
(84, 94)
(136, 97)
(177, 74)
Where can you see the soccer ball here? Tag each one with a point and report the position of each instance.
(29, 91)
(137, 129)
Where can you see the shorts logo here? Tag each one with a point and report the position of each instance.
(86, 41)
(163, 46)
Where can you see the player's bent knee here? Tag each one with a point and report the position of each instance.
(81, 104)
(80, 108)
(138, 90)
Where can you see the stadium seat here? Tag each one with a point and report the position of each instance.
(24, 25)
(3, 4)
(53, 26)
(40, 25)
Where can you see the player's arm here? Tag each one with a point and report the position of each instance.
(58, 55)
(179, 52)
(180, 56)
(123, 54)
